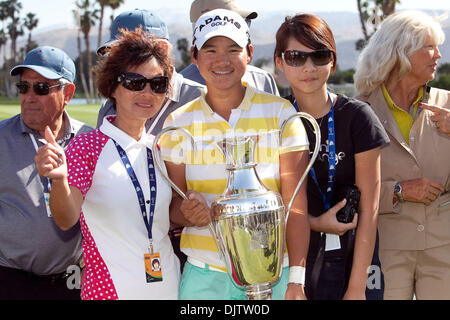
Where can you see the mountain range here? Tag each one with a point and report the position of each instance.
(345, 26)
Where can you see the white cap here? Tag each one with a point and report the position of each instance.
(221, 22)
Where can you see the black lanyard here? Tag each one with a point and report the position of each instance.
(138, 189)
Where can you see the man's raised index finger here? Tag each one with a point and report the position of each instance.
(49, 136)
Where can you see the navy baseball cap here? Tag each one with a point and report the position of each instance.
(130, 20)
(51, 63)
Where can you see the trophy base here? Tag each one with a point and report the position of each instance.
(259, 292)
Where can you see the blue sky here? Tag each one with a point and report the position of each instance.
(52, 12)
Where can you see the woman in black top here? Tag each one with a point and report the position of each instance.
(351, 137)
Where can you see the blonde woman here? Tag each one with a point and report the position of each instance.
(414, 222)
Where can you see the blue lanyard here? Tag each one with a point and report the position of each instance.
(137, 187)
(328, 196)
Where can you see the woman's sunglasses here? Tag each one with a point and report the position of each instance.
(39, 88)
(296, 58)
(137, 82)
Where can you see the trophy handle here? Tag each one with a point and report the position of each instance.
(314, 156)
(155, 151)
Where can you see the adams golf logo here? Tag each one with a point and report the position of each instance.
(217, 21)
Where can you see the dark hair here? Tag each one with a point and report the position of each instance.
(308, 29)
(133, 48)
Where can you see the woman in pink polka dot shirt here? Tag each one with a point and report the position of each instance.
(107, 181)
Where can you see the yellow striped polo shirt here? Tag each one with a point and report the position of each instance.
(259, 114)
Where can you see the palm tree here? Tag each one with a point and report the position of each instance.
(3, 38)
(3, 74)
(80, 72)
(115, 4)
(388, 6)
(30, 23)
(371, 14)
(103, 4)
(3, 17)
(88, 17)
(15, 29)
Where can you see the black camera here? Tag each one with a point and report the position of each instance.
(353, 195)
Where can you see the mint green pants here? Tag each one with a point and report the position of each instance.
(204, 284)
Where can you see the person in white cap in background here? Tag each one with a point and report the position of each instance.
(182, 90)
(255, 77)
(227, 107)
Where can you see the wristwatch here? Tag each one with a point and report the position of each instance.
(398, 192)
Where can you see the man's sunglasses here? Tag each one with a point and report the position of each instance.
(137, 82)
(296, 58)
(39, 88)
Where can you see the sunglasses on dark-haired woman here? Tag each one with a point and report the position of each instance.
(137, 82)
(297, 58)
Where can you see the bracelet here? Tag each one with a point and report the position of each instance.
(297, 275)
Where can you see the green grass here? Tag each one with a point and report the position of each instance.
(86, 113)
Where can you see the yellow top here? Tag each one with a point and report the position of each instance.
(404, 119)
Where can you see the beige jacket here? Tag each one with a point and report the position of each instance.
(408, 225)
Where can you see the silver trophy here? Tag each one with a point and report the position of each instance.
(249, 220)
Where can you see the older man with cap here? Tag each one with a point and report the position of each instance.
(255, 77)
(182, 90)
(34, 253)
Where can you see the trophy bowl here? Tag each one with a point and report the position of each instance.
(250, 230)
